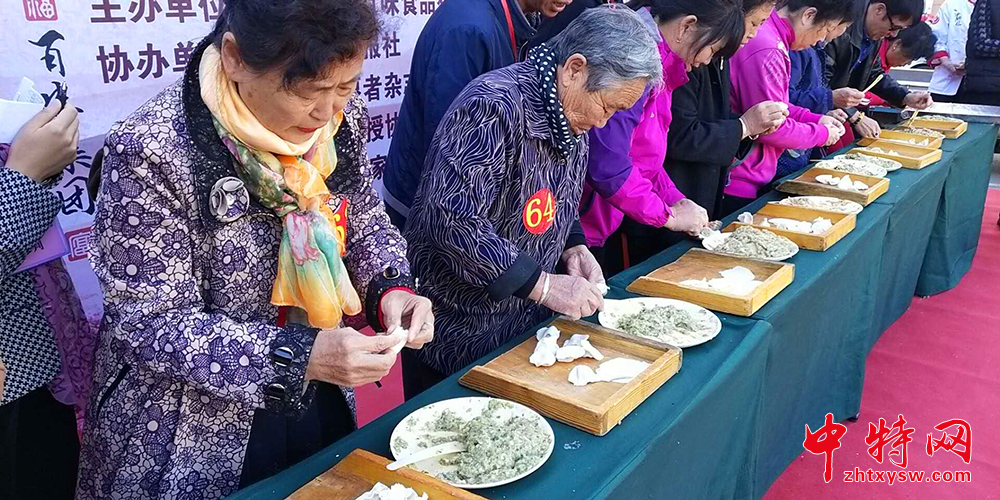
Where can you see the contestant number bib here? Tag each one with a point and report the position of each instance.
(539, 212)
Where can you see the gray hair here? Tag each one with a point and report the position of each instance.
(617, 43)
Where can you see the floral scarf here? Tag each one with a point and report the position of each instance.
(290, 180)
(543, 58)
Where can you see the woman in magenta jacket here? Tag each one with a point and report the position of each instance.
(625, 171)
(625, 174)
(760, 72)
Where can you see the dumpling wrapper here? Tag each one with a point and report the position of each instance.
(584, 342)
(738, 273)
(603, 288)
(792, 225)
(396, 492)
(545, 352)
(745, 218)
(547, 332)
(860, 186)
(402, 334)
(620, 370)
(702, 283)
(715, 238)
(734, 287)
(570, 353)
(582, 375)
(845, 183)
(821, 225)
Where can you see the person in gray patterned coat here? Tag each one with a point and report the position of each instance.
(497, 208)
(38, 443)
(202, 384)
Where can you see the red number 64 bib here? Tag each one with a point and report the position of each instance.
(539, 212)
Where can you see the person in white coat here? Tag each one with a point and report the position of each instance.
(951, 26)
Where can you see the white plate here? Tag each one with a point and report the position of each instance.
(717, 241)
(895, 164)
(854, 207)
(873, 170)
(615, 309)
(467, 408)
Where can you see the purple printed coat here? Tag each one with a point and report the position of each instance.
(184, 356)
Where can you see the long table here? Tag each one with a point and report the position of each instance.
(705, 419)
(732, 419)
(829, 308)
(955, 235)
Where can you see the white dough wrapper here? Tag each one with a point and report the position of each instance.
(396, 492)
(547, 332)
(620, 370)
(582, 375)
(402, 334)
(570, 353)
(738, 273)
(548, 344)
(584, 342)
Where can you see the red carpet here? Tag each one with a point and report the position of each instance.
(373, 401)
(940, 361)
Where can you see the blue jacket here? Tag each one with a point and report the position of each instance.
(807, 89)
(462, 40)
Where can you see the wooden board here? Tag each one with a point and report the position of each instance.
(699, 264)
(896, 136)
(806, 185)
(913, 157)
(595, 408)
(358, 472)
(951, 130)
(842, 224)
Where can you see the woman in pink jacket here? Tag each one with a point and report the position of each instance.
(625, 170)
(759, 72)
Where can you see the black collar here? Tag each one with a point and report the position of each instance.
(212, 161)
(858, 28)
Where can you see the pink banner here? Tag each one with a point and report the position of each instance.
(52, 246)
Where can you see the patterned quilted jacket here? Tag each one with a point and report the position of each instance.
(185, 356)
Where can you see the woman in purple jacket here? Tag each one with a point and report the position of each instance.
(625, 174)
(760, 72)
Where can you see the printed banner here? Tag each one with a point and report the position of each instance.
(116, 54)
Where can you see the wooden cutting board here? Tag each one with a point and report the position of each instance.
(951, 130)
(807, 185)
(358, 472)
(699, 264)
(842, 225)
(595, 408)
(903, 137)
(912, 157)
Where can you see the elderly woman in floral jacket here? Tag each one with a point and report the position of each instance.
(236, 217)
(496, 212)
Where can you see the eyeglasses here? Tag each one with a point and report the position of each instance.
(892, 26)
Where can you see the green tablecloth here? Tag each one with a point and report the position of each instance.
(955, 235)
(731, 420)
(820, 323)
(912, 201)
(693, 438)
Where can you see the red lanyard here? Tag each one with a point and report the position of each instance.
(510, 26)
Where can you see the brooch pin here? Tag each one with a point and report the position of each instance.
(230, 199)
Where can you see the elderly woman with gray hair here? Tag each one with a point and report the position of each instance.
(496, 211)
